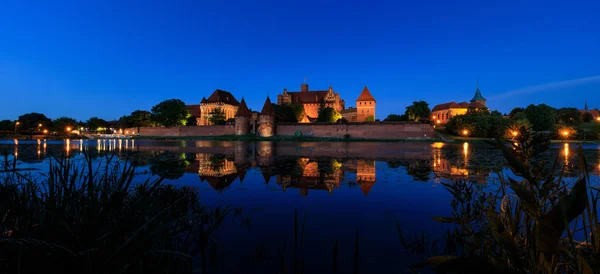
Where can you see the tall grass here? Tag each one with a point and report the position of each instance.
(96, 218)
(527, 226)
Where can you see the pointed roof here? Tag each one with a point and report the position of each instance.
(203, 100)
(266, 173)
(586, 106)
(365, 95)
(243, 110)
(222, 96)
(478, 96)
(241, 170)
(366, 186)
(268, 108)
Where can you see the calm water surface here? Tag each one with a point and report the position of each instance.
(338, 186)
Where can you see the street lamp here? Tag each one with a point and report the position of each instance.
(68, 129)
(16, 125)
(515, 133)
(565, 134)
(465, 132)
(45, 131)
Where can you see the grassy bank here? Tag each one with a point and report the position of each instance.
(46, 136)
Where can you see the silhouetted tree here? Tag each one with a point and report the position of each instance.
(328, 115)
(62, 124)
(170, 113)
(217, 117)
(94, 123)
(7, 125)
(541, 117)
(568, 116)
(32, 121)
(587, 117)
(396, 117)
(418, 110)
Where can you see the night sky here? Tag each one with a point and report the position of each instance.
(109, 58)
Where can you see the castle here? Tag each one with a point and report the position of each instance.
(311, 101)
(442, 113)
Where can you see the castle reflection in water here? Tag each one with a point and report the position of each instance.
(302, 166)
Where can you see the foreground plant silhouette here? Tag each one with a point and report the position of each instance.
(97, 219)
(529, 229)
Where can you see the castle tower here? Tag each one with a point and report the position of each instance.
(266, 120)
(242, 119)
(365, 106)
(365, 175)
(478, 98)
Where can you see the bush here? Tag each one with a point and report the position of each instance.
(478, 124)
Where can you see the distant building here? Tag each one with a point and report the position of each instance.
(365, 108)
(442, 113)
(312, 100)
(219, 99)
(594, 112)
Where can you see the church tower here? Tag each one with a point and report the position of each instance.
(365, 106)
(478, 98)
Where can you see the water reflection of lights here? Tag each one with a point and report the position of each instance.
(437, 145)
(16, 142)
(466, 148)
(67, 145)
(566, 152)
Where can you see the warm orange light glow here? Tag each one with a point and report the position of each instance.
(465, 132)
(45, 131)
(18, 123)
(598, 119)
(438, 121)
(68, 128)
(39, 125)
(437, 145)
(515, 133)
(565, 133)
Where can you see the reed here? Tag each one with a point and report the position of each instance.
(97, 217)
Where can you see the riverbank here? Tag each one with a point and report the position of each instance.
(46, 136)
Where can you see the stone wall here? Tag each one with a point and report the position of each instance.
(185, 131)
(374, 130)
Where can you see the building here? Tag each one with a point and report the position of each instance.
(594, 112)
(312, 100)
(365, 108)
(219, 99)
(442, 113)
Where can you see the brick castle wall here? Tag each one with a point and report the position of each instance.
(186, 131)
(373, 130)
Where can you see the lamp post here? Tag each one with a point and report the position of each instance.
(565, 134)
(465, 133)
(16, 125)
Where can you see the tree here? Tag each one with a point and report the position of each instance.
(370, 119)
(63, 124)
(395, 117)
(96, 123)
(170, 113)
(478, 124)
(519, 116)
(568, 116)
(328, 115)
(542, 117)
(141, 118)
(217, 117)
(7, 125)
(515, 111)
(191, 121)
(32, 121)
(586, 117)
(418, 110)
(288, 113)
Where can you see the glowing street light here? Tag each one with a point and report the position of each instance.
(515, 133)
(17, 123)
(565, 133)
(45, 131)
(68, 129)
(598, 119)
(465, 132)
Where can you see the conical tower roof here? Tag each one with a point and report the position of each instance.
(365, 95)
(203, 100)
(478, 96)
(243, 110)
(268, 108)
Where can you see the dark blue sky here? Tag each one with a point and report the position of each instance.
(108, 58)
